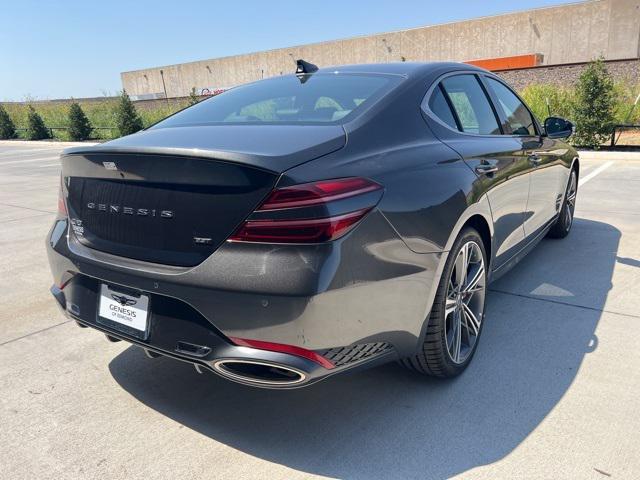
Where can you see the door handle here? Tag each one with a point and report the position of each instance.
(486, 169)
(534, 159)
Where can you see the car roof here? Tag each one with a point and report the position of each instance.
(408, 69)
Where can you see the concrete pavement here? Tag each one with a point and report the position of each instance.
(552, 392)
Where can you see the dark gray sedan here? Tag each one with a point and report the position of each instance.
(305, 225)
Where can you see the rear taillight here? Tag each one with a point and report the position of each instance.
(62, 207)
(318, 192)
(311, 212)
(298, 231)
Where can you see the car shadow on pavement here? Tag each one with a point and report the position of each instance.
(391, 423)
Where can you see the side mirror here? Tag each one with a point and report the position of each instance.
(556, 127)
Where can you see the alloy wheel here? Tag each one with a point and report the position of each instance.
(570, 202)
(464, 306)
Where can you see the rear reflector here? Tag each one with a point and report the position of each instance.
(282, 348)
(297, 227)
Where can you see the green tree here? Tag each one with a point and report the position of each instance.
(594, 107)
(7, 127)
(36, 129)
(193, 96)
(79, 125)
(127, 119)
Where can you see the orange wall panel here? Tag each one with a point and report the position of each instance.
(508, 63)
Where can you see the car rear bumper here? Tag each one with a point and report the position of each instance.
(352, 302)
(202, 346)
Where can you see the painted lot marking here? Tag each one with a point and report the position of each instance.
(29, 160)
(22, 152)
(597, 171)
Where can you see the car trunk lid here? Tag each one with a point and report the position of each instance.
(174, 199)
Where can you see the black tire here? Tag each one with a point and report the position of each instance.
(434, 357)
(562, 226)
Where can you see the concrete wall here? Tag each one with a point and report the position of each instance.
(565, 34)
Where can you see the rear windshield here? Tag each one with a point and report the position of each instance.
(318, 98)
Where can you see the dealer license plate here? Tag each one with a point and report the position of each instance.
(125, 309)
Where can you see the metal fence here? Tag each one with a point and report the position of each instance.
(618, 132)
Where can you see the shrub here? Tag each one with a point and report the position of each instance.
(626, 94)
(193, 96)
(594, 107)
(7, 128)
(36, 129)
(79, 125)
(549, 100)
(127, 119)
(153, 115)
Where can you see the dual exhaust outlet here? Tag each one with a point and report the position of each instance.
(248, 371)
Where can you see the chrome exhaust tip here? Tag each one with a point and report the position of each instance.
(257, 372)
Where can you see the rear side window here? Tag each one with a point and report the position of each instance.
(471, 105)
(439, 106)
(519, 120)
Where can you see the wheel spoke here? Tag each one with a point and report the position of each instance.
(470, 293)
(477, 276)
(450, 306)
(456, 337)
(471, 321)
(461, 266)
(468, 259)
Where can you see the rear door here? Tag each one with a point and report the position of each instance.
(468, 123)
(542, 154)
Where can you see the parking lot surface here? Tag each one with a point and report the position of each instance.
(553, 391)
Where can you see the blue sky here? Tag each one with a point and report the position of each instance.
(55, 49)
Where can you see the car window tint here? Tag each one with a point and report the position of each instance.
(317, 98)
(519, 120)
(471, 104)
(266, 110)
(439, 106)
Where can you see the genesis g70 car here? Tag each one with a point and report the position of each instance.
(302, 226)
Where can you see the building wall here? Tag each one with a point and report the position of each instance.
(563, 35)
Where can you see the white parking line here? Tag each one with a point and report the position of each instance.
(30, 160)
(597, 171)
(17, 151)
(57, 164)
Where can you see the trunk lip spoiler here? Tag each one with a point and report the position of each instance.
(277, 162)
(217, 155)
